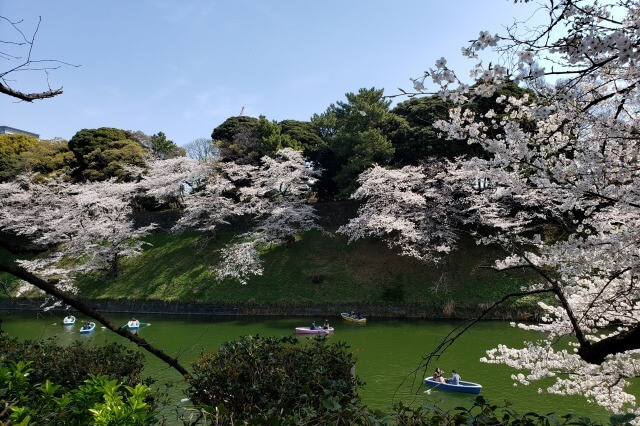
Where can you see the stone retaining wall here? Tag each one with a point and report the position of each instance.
(139, 307)
(331, 214)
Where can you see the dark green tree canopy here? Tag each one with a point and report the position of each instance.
(232, 125)
(238, 140)
(304, 133)
(315, 148)
(246, 140)
(158, 144)
(88, 140)
(356, 133)
(415, 138)
(165, 148)
(101, 153)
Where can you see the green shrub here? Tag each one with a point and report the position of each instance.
(98, 401)
(42, 382)
(259, 380)
(70, 366)
(482, 412)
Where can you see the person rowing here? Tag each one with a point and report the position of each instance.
(454, 379)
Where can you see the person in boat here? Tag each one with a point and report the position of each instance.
(352, 314)
(86, 326)
(69, 317)
(454, 379)
(437, 376)
(325, 326)
(313, 326)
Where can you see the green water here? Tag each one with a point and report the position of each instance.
(387, 352)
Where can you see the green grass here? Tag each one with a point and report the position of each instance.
(319, 269)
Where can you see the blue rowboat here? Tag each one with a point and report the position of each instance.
(466, 387)
(88, 328)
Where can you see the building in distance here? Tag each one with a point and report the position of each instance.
(6, 130)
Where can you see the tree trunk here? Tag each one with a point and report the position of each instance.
(71, 300)
(595, 353)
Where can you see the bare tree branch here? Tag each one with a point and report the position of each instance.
(29, 97)
(25, 63)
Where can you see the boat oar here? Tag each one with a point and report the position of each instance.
(145, 323)
(124, 325)
(429, 390)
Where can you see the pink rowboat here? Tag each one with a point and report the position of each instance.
(308, 330)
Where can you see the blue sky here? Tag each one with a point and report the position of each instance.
(183, 67)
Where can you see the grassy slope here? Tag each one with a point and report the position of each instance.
(318, 269)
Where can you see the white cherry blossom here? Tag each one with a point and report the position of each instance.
(563, 197)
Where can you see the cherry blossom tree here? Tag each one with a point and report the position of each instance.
(88, 223)
(273, 196)
(88, 226)
(91, 223)
(170, 179)
(81, 228)
(413, 204)
(565, 159)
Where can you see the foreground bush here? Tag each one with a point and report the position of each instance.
(483, 413)
(99, 401)
(480, 413)
(70, 366)
(256, 379)
(43, 383)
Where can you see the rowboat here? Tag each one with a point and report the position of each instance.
(69, 320)
(466, 387)
(133, 325)
(347, 317)
(308, 330)
(88, 328)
